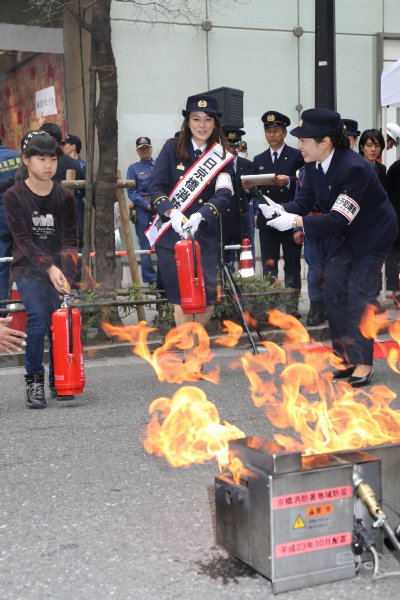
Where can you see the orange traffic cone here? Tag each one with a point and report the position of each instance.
(17, 311)
(246, 268)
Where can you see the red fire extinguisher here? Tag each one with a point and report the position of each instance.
(69, 371)
(190, 276)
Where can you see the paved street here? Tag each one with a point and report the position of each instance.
(86, 513)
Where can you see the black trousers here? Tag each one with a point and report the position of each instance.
(271, 241)
(349, 285)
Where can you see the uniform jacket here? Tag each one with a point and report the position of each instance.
(10, 161)
(235, 219)
(210, 203)
(289, 161)
(371, 228)
(140, 172)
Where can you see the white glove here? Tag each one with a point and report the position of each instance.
(271, 211)
(192, 224)
(177, 220)
(270, 202)
(283, 222)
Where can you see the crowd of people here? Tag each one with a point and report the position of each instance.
(342, 205)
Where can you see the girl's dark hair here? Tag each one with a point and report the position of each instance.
(36, 143)
(371, 134)
(185, 137)
(339, 140)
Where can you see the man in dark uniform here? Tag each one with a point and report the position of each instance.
(284, 162)
(139, 196)
(358, 225)
(235, 219)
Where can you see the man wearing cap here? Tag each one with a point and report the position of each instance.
(352, 131)
(284, 161)
(235, 219)
(140, 198)
(358, 225)
(393, 135)
(72, 146)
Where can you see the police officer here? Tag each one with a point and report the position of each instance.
(352, 131)
(140, 197)
(10, 161)
(284, 161)
(358, 225)
(235, 220)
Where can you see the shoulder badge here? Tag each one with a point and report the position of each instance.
(180, 167)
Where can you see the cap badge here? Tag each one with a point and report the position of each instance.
(270, 118)
(231, 135)
(301, 123)
(180, 167)
(202, 103)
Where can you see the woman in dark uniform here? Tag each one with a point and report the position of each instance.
(358, 226)
(207, 192)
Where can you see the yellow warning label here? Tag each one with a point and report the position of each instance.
(299, 523)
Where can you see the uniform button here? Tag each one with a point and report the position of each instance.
(201, 201)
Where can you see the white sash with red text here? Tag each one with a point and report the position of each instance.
(190, 187)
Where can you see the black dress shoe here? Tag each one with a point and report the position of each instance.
(343, 373)
(361, 381)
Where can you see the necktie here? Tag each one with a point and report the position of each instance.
(275, 157)
(321, 175)
(197, 153)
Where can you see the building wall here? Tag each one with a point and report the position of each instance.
(251, 46)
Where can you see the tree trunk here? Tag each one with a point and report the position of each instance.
(107, 131)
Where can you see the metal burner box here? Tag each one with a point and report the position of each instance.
(291, 517)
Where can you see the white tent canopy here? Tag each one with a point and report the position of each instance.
(390, 85)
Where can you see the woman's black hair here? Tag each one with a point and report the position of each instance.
(36, 143)
(371, 134)
(185, 137)
(339, 140)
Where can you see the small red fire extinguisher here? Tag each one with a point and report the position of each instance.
(69, 371)
(190, 276)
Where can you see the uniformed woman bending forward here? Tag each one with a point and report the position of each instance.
(358, 226)
(192, 180)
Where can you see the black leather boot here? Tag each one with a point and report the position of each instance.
(316, 314)
(35, 397)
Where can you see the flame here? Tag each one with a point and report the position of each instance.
(233, 331)
(186, 429)
(291, 384)
(326, 416)
(166, 360)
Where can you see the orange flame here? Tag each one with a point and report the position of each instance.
(166, 361)
(233, 331)
(326, 416)
(186, 429)
(292, 384)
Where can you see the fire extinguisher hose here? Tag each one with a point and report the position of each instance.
(194, 258)
(71, 341)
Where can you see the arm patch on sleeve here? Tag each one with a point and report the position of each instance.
(224, 181)
(346, 206)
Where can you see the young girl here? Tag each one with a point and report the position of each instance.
(43, 221)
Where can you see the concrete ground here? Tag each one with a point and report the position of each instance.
(87, 514)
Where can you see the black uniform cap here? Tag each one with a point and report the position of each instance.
(272, 118)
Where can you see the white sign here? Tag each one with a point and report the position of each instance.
(45, 102)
